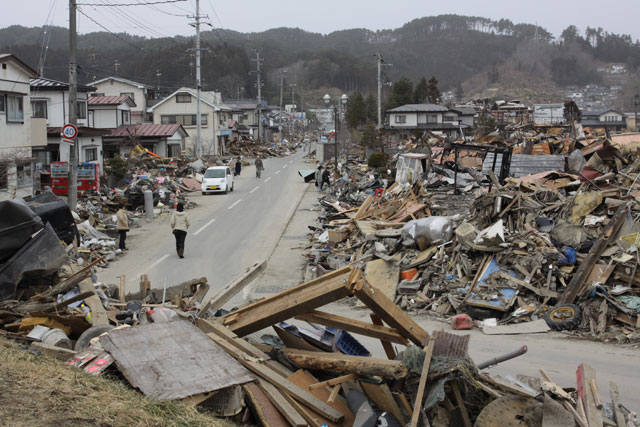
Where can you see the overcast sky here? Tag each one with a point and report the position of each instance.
(323, 16)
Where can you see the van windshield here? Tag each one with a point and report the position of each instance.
(214, 173)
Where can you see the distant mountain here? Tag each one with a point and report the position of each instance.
(482, 55)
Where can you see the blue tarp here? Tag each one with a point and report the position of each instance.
(504, 295)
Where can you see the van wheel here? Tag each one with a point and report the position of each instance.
(204, 193)
(232, 185)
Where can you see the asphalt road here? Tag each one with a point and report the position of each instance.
(228, 233)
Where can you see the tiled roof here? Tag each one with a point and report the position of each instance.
(147, 129)
(110, 100)
(42, 83)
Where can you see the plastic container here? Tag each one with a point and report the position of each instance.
(461, 322)
(408, 274)
(347, 344)
(57, 338)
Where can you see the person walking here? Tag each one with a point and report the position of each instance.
(180, 224)
(325, 178)
(259, 166)
(238, 166)
(318, 177)
(122, 226)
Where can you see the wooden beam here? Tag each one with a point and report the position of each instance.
(234, 286)
(297, 300)
(279, 401)
(577, 283)
(392, 315)
(538, 291)
(343, 364)
(277, 380)
(417, 406)
(72, 280)
(333, 394)
(584, 375)
(386, 345)
(268, 414)
(615, 399)
(122, 288)
(460, 402)
(334, 381)
(382, 398)
(355, 326)
(98, 313)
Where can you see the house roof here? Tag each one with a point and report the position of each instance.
(242, 105)
(148, 129)
(5, 57)
(419, 108)
(600, 112)
(465, 111)
(121, 80)
(111, 100)
(205, 97)
(82, 131)
(43, 83)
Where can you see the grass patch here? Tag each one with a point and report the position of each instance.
(41, 391)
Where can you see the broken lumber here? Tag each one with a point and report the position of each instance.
(233, 287)
(417, 406)
(344, 364)
(334, 381)
(282, 404)
(98, 313)
(72, 280)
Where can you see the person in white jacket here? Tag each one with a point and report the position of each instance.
(180, 224)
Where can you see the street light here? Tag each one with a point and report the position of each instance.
(343, 101)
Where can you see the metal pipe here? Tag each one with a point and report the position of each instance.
(507, 356)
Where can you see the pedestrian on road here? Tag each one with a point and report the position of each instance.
(238, 166)
(325, 178)
(180, 224)
(319, 178)
(259, 166)
(122, 226)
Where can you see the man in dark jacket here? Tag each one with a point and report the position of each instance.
(318, 177)
(325, 178)
(238, 166)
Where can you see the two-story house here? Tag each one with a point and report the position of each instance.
(109, 112)
(608, 118)
(50, 100)
(16, 163)
(181, 108)
(142, 95)
(407, 119)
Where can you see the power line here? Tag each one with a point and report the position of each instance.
(131, 19)
(132, 4)
(106, 29)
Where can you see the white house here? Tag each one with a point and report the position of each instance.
(610, 119)
(164, 140)
(50, 100)
(16, 167)
(548, 114)
(142, 95)
(432, 117)
(109, 112)
(181, 108)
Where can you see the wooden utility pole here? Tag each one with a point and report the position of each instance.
(73, 107)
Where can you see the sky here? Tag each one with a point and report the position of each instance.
(324, 16)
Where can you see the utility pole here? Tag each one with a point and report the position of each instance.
(379, 56)
(293, 94)
(73, 107)
(198, 83)
(282, 73)
(116, 65)
(259, 84)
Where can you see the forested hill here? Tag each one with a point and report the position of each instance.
(473, 52)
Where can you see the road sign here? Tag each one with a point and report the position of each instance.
(69, 131)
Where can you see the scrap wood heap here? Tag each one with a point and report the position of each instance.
(250, 148)
(555, 245)
(322, 375)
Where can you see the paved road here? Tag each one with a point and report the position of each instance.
(228, 232)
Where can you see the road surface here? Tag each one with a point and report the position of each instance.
(228, 233)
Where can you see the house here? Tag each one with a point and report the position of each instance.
(16, 163)
(181, 108)
(109, 112)
(142, 95)
(50, 100)
(407, 119)
(607, 118)
(548, 114)
(510, 112)
(165, 140)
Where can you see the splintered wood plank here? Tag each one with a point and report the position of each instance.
(386, 345)
(417, 408)
(585, 375)
(233, 287)
(281, 404)
(383, 275)
(615, 399)
(98, 313)
(304, 379)
(158, 359)
(382, 398)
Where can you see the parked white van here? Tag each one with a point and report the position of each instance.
(217, 179)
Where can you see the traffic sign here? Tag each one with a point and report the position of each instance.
(69, 131)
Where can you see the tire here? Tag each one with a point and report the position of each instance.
(226, 190)
(89, 334)
(232, 185)
(563, 317)
(204, 193)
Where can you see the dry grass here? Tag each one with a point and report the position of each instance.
(40, 391)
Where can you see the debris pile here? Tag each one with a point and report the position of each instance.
(250, 148)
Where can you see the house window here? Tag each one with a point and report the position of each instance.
(432, 118)
(82, 110)
(97, 94)
(183, 98)
(15, 108)
(129, 94)
(183, 119)
(91, 155)
(222, 118)
(449, 119)
(401, 118)
(126, 119)
(39, 109)
(174, 150)
(23, 171)
(2, 103)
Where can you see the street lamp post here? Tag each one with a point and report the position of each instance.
(327, 101)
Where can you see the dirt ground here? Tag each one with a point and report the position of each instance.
(40, 391)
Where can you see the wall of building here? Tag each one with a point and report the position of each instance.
(115, 88)
(108, 116)
(411, 120)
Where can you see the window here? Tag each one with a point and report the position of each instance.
(183, 98)
(39, 109)
(432, 118)
(2, 103)
(214, 173)
(15, 109)
(97, 94)
(82, 110)
(129, 94)
(126, 119)
(401, 118)
(23, 171)
(222, 119)
(449, 119)
(91, 155)
(183, 119)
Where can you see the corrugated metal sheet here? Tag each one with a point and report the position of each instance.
(107, 100)
(526, 164)
(146, 130)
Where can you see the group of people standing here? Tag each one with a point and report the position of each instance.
(322, 177)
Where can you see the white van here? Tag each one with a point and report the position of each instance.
(217, 179)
